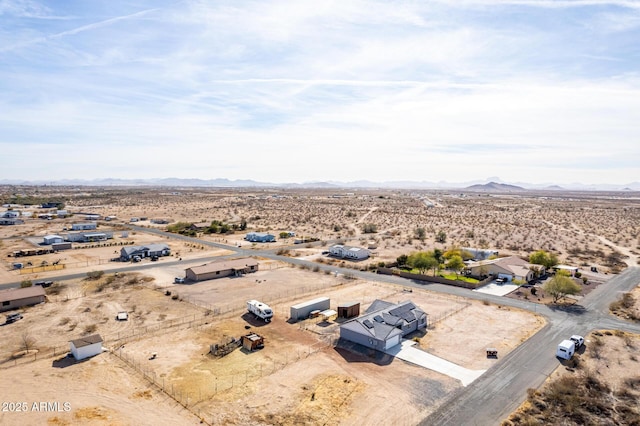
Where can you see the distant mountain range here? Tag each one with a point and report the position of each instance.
(492, 184)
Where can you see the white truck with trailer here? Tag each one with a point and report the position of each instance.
(260, 310)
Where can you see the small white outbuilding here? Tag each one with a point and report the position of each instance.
(86, 347)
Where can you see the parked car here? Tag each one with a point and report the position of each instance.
(13, 318)
(178, 280)
(501, 280)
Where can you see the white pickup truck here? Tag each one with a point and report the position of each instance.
(577, 340)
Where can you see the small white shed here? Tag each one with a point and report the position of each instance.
(86, 347)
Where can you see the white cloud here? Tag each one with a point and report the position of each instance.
(281, 91)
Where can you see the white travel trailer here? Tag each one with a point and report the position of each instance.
(260, 310)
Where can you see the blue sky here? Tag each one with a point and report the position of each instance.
(283, 91)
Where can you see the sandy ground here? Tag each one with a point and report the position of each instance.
(299, 377)
(612, 356)
(309, 380)
(100, 391)
(583, 229)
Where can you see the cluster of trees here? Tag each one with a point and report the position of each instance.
(219, 227)
(216, 227)
(452, 259)
(541, 257)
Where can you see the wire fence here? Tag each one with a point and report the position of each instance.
(219, 384)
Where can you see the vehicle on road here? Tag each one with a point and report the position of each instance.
(13, 318)
(578, 341)
(44, 283)
(566, 349)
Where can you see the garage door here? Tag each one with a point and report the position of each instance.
(393, 341)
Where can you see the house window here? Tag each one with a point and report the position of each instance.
(217, 272)
(7, 303)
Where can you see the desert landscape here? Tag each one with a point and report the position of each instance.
(160, 356)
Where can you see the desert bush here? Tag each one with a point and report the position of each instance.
(94, 275)
(369, 228)
(91, 328)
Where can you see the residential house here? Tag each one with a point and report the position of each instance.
(384, 324)
(84, 226)
(510, 268)
(19, 297)
(348, 252)
(222, 268)
(150, 250)
(260, 237)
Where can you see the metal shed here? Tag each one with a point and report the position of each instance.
(349, 310)
(304, 309)
(252, 342)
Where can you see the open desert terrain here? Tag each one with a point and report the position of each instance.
(160, 357)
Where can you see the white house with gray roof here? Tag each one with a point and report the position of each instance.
(384, 324)
(348, 252)
(150, 250)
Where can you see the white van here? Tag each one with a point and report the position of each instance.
(566, 349)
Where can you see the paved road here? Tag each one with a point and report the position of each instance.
(492, 397)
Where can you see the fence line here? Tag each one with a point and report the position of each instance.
(220, 383)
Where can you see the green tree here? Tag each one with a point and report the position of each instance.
(454, 251)
(560, 286)
(422, 261)
(284, 235)
(438, 255)
(402, 260)
(456, 264)
(26, 283)
(420, 233)
(441, 237)
(541, 257)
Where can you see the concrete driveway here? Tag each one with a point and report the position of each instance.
(496, 289)
(405, 351)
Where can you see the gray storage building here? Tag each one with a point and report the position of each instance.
(302, 310)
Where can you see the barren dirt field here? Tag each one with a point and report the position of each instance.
(300, 376)
(100, 391)
(310, 381)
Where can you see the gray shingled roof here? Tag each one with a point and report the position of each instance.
(87, 340)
